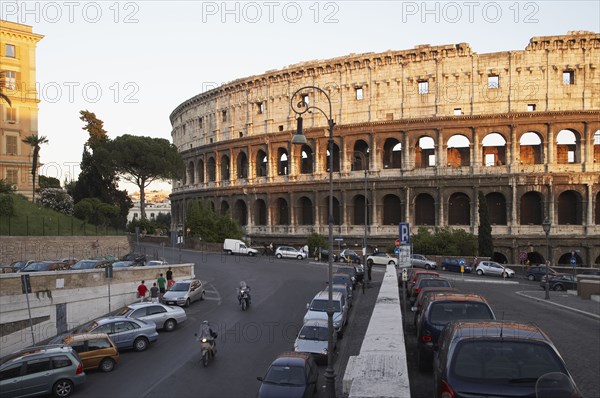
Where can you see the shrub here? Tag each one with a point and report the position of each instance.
(7, 206)
(56, 199)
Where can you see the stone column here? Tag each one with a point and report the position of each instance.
(549, 159)
(441, 221)
(475, 149)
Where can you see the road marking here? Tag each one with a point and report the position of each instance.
(541, 300)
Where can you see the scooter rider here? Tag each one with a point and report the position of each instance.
(243, 286)
(207, 333)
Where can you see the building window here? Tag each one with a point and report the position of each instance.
(12, 145)
(200, 122)
(457, 111)
(423, 87)
(135, 215)
(10, 51)
(11, 115)
(12, 176)
(305, 98)
(359, 93)
(260, 107)
(10, 79)
(568, 77)
(224, 116)
(493, 81)
(530, 107)
(490, 159)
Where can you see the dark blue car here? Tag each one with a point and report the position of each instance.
(454, 264)
(292, 374)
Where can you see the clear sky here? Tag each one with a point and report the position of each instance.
(133, 62)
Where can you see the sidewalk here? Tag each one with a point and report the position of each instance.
(567, 300)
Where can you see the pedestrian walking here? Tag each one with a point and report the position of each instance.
(141, 291)
(169, 277)
(154, 293)
(271, 247)
(265, 250)
(162, 285)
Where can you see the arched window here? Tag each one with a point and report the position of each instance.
(283, 212)
(225, 168)
(306, 160)
(493, 150)
(392, 154)
(360, 162)
(260, 212)
(282, 164)
(531, 209)
(496, 206)
(211, 169)
(425, 153)
(241, 212)
(242, 165)
(459, 152)
(459, 209)
(306, 216)
(424, 209)
(530, 150)
(392, 210)
(336, 158)
(569, 208)
(261, 164)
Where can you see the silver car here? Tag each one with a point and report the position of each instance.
(290, 252)
(184, 292)
(126, 333)
(165, 317)
(313, 339)
(493, 268)
(381, 259)
(420, 261)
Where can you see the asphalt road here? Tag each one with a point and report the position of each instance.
(576, 336)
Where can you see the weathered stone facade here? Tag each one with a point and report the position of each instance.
(436, 125)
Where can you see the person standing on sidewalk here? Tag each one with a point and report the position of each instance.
(162, 285)
(141, 291)
(154, 293)
(169, 278)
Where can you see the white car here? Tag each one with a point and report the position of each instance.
(290, 252)
(381, 259)
(494, 268)
(313, 339)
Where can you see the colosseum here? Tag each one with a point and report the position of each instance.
(418, 134)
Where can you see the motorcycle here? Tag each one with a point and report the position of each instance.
(207, 346)
(244, 297)
(556, 385)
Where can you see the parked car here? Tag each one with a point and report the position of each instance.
(123, 264)
(90, 264)
(41, 370)
(68, 261)
(413, 274)
(17, 265)
(561, 282)
(39, 266)
(420, 261)
(381, 259)
(453, 264)
(126, 333)
(313, 339)
(494, 268)
(164, 316)
(426, 282)
(537, 272)
(291, 374)
(495, 358)
(422, 296)
(324, 253)
(438, 311)
(137, 258)
(96, 350)
(417, 276)
(290, 252)
(184, 292)
(342, 278)
(350, 271)
(345, 290)
(153, 263)
(236, 246)
(349, 256)
(107, 257)
(317, 309)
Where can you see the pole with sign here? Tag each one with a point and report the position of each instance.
(26, 288)
(403, 245)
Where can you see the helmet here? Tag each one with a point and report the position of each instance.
(205, 322)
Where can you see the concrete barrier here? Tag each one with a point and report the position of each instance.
(380, 369)
(588, 286)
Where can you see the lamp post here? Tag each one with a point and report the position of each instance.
(547, 225)
(299, 138)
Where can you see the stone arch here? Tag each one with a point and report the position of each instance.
(336, 158)
(458, 152)
(425, 152)
(359, 203)
(493, 150)
(306, 160)
(499, 258)
(225, 168)
(336, 211)
(358, 162)
(531, 209)
(565, 259)
(262, 162)
(242, 165)
(424, 209)
(392, 154)
(569, 208)
(224, 207)
(200, 171)
(392, 210)
(240, 210)
(283, 212)
(305, 211)
(211, 169)
(568, 147)
(190, 173)
(496, 205)
(282, 162)
(260, 212)
(530, 148)
(459, 209)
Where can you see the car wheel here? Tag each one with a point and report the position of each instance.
(140, 344)
(202, 296)
(530, 277)
(427, 266)
(170, 325)
(558, 287)
(62, 388)
(107, 365)
(187, 303)
(229, 252)
(479, 272)
(370, 263)
(299, 256)
(278, 255)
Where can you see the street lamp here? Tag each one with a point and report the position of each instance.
(300, 108)
(547, 225)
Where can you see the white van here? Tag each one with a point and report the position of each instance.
(236, 246)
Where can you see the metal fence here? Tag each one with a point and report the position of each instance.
(52, 226)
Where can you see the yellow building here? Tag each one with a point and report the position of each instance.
(18, 66)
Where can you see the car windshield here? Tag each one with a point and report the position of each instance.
(285, 375)
(85, 264)
(86, 327)
(321, 305)
(318, 333)
(180, 287)
(444, 312)
(343, 279)
(122, 311)
(504, 361)
(37, 267)
(433, 283)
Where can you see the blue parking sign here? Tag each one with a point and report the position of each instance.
(573, 261)
(404, 233)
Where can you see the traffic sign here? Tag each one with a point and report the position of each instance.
(404, 233)
(396, 250)
(461, 261)
(522, 255)
(404, 275)
(397, 243)
(573, 260)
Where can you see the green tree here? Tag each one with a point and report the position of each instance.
(4, 97)
(143, 160)
(445, 241)
(484, 230)
(94, 211)
(48, 182)
(35, 141)
(315, 240)
(204, 223)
